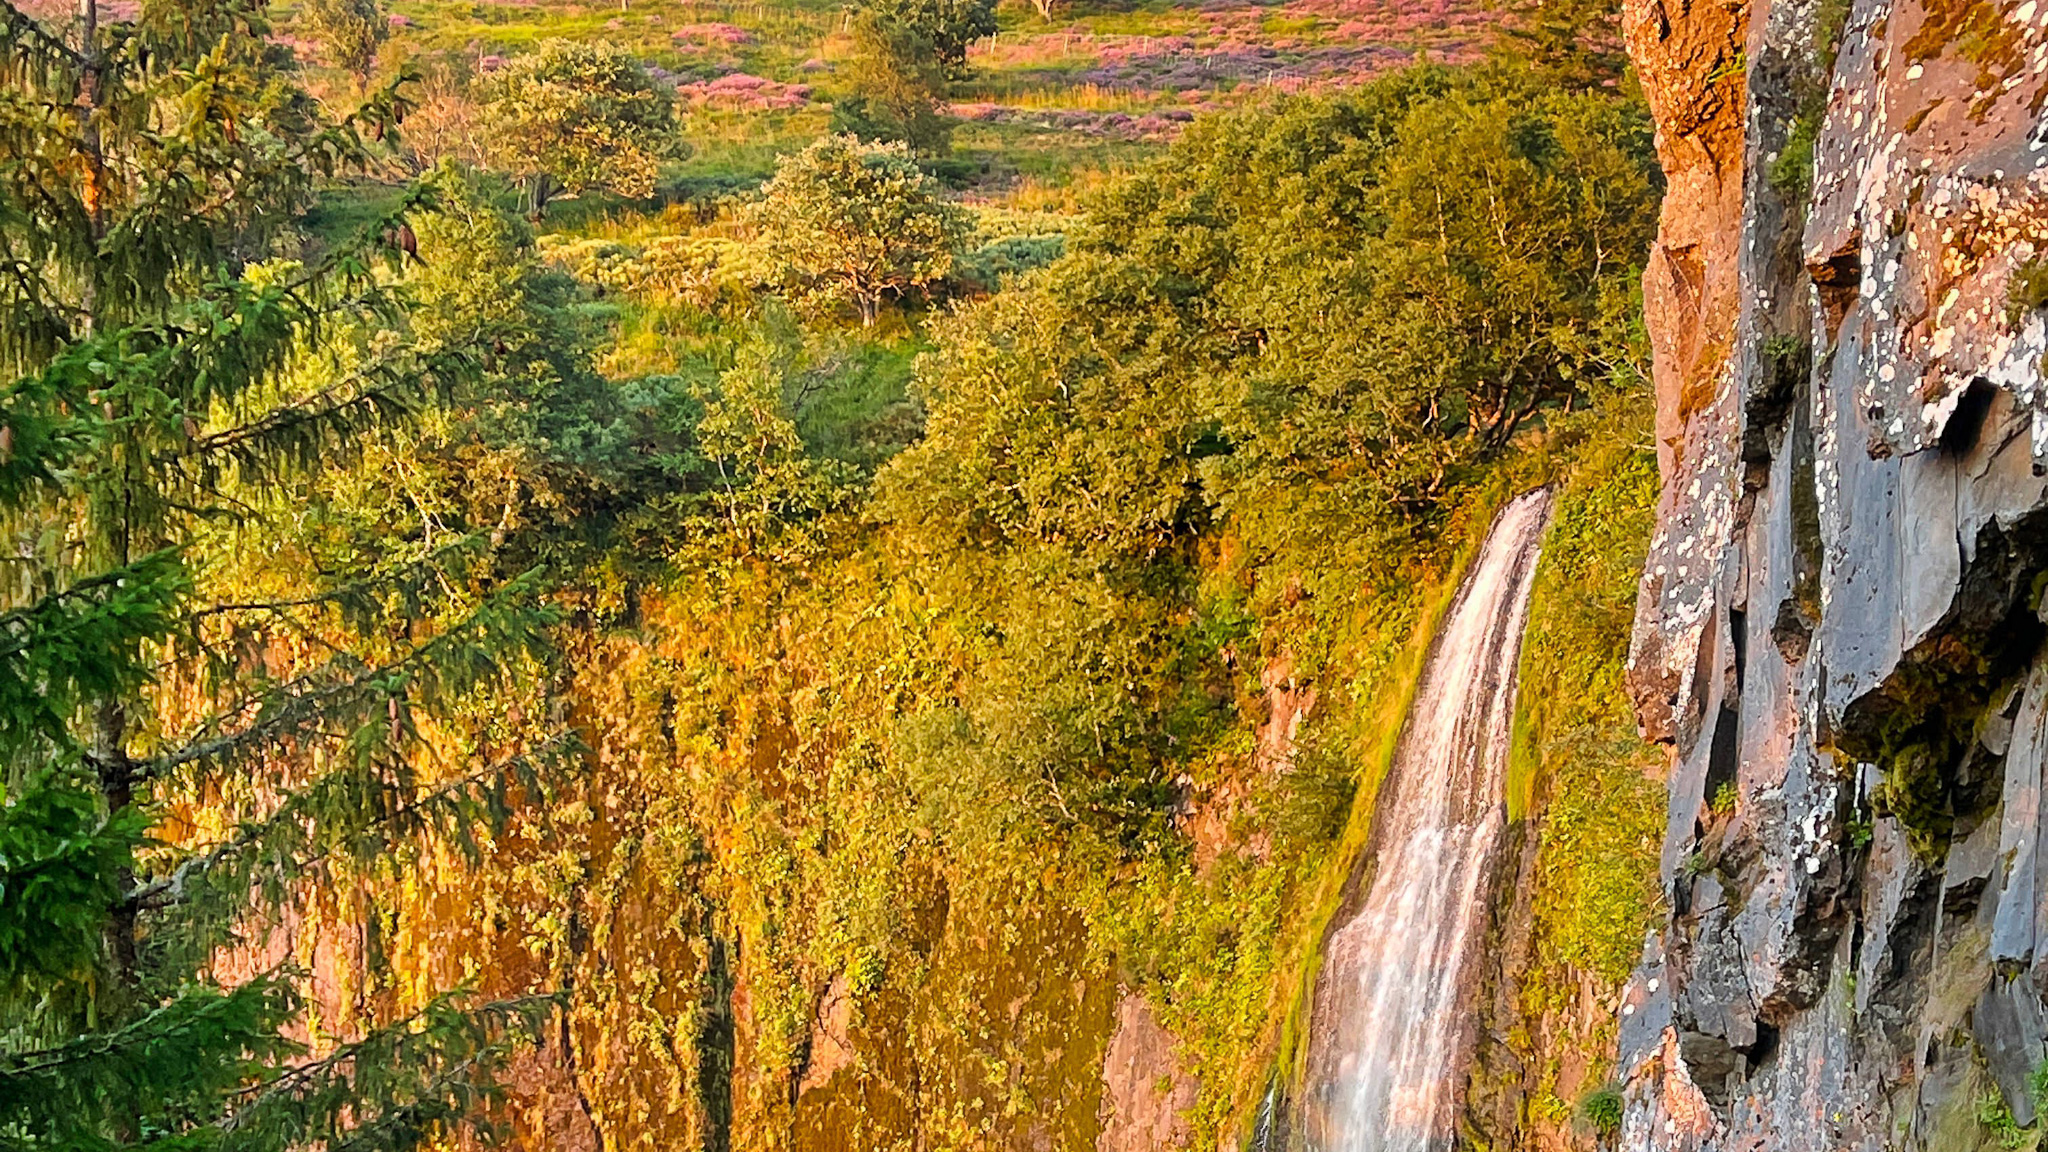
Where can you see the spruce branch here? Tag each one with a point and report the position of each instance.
(317, 819)
(466, 650)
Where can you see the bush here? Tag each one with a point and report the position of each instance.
(989, 265)
(847, 222)
(1602, 1108)
(579, 117)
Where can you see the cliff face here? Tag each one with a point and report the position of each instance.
(1839, 631)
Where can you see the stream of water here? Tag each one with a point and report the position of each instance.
(1392, 1025)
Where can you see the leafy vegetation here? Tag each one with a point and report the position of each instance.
(193, 754)
(847, 222)
(578, 116)
(1578, 767)
(1602, 1108)
(518, 612)
(351, 30)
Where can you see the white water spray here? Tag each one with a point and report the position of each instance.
(1391, 1030)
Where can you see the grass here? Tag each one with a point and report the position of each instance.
(1102, 57)
(1578, 766)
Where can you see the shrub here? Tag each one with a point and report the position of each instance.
(1602, 1108)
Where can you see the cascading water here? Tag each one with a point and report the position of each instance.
(1391, 1028)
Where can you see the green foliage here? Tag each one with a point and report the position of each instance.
(1579, 42)
(60, 860)
(946, 26)
(851, 222)
(1791, 171)
(1314, 796)
(84, 643)
(949, 697)
(992, 264)
(1277, 321)
(2028, 291)
(579, 117)
(175, 405)
(899, 88)
(1996, 1119)
(1859, 833)
(1724, 798)
(1602, 1108)
(351, 31)
(1603, 818)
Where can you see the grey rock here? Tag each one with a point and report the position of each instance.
(2008, 1026)
(1828, 990)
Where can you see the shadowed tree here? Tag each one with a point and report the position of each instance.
(899, 88)
(172, 372)
(351, 31)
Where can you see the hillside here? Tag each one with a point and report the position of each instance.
(788, 576)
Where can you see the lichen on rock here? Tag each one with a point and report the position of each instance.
(1842, 611)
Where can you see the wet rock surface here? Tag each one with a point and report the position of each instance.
(1839, 633)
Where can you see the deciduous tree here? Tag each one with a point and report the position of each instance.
(350, 30)
(899, 88)
(855, 222)
(577, 117)
(949, 26)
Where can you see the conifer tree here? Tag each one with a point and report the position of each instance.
(173, 361)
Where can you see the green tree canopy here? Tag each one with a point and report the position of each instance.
(578, 117)
(948, 26)
(1308, 318)
(351, 31)
(899, 88)
(852, 222)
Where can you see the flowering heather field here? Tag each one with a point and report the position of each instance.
(1098, 85)
(1101, 83)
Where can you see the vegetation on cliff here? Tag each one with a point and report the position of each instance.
(771, 669)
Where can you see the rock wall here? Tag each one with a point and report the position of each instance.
(1839, 633)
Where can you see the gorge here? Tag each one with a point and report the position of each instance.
(1081, 576)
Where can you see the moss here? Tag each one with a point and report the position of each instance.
(2028, 290)
(1914, 121)
(1791, 173)
(1724, 798)
(1920, 726)
(1976, 31)
(1915, 793)
(1577, 772)
(1602, 1108)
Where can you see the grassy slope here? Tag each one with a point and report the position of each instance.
(1094, 88)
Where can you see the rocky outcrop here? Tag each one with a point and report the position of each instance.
(1840, 627)
(1146, 1096)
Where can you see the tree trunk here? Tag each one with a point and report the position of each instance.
(539, 190)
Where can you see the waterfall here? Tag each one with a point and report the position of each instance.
(1391, 1027)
